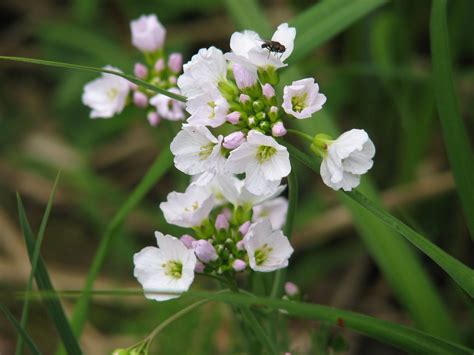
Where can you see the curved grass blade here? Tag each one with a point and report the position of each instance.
(43, 281)
(325, 20)
(463, 275)
(454, 133)
(130, 78)
(22, 333)
(159, 167)
(34, 264)
(402, 337)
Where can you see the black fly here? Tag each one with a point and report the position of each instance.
(273, 47)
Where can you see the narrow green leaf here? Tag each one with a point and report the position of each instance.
(463, 275)
(454, 133)
(325, 20)
(248, 15)
(22, 333)
(159, 167)
(43, 281)
(131, 78)
(34, 264)
(401, 337)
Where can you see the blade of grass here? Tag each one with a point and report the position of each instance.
(131, 78)
(402, 337)
(454, 133)
(34, 264)
(324, 20)
(22, 333)
(247, 14)
(43, 281)
(463, 275)
(159, 167)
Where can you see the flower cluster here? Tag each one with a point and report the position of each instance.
(109, 94)
(234, 230)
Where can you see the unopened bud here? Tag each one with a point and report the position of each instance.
(291, 289)
(199, 267)
(140, 71)
(175, 62)
(244, 98)
(153, 118)
(233, 140)
(278, 129)
(187, 240)
(221, 222)
(244, 228)
(268, 91)
(233, 117)
(140, 99)
(204, 250)
(239, 265)
(159, 65)
(240, 245)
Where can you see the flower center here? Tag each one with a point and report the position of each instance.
(261, 254)
(173, 268)
(206, 151)
(212, 105)
(299, 102)
(264, 153)
(193, 207)
(112, 93)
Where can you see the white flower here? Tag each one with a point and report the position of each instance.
(169, 268)
(203, 72)
(275, 210)
(347, 158)
(235, 192)
(197, 151)
(267, 250)
(148, 34)
(168, 108)
(302, 98)
(247, 48)
(207, 109)
(262, 159)
(188, 209)
(107, 95)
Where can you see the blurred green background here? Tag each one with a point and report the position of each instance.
(376, 75)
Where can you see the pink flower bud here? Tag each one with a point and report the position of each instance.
(159, 65)
(268, 91)
(278, 129)
(233, 117)
(239, 265)
(172, 79)
(244, 228)
(240, 245)
(199, 267)
(204, 251)
(153, 118)
(140, 99)
(187, 240)
(291, 289)
(233, 140)
(148, 34)
(140, 71)
(175, 62)
(244, 98)
(244, 78)
(222, 222)
(227, 213)
(132, 86)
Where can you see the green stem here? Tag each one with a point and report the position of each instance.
(157, 170)
(301, 134)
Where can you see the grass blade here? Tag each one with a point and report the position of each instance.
(159, 167)
(325, 20)
(96, 70)
(454, 133)
(247, 14)
(459, 272)
(53, 305)
(34, 264)
(21, 331)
